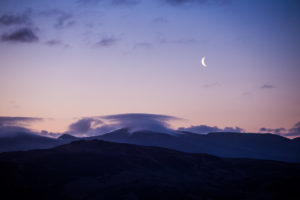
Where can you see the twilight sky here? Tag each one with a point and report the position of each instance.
(64, 60)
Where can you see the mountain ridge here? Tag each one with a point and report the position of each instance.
(224, 144)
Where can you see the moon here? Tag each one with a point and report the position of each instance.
(203, 62)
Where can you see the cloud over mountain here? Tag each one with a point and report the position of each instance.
(92, 126)
(294, 131)
(12, 126)
(204, 129)
(84, 125)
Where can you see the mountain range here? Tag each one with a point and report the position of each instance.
(223, 144)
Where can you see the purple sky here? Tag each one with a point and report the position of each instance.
(63, 60)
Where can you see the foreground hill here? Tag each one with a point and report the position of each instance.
(233, 145)
(103, 170)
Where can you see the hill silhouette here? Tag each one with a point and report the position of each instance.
(231, 145)
(104, 170)
(234, 145)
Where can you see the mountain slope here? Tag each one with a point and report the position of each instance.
(103, 170)
(27, 141)
(235, 145)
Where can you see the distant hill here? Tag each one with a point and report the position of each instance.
(104, 170)
(231, 145)
(234, 145)
(25, 141)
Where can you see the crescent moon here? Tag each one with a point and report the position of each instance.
(203, 62)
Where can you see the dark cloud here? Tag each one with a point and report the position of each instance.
(267, 86)
(16, 19)
(204, 129)
(17, 121)
(21, 35)
(106, 41)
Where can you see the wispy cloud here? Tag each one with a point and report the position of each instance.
(142, 45)
(110, 2)
(212, 85)
(267, 86)
(56, 42)
(16, 19)
(53, 42)
(106, 41)
(199, 2)
(17, 121)
(62, 19)
(177, 41)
